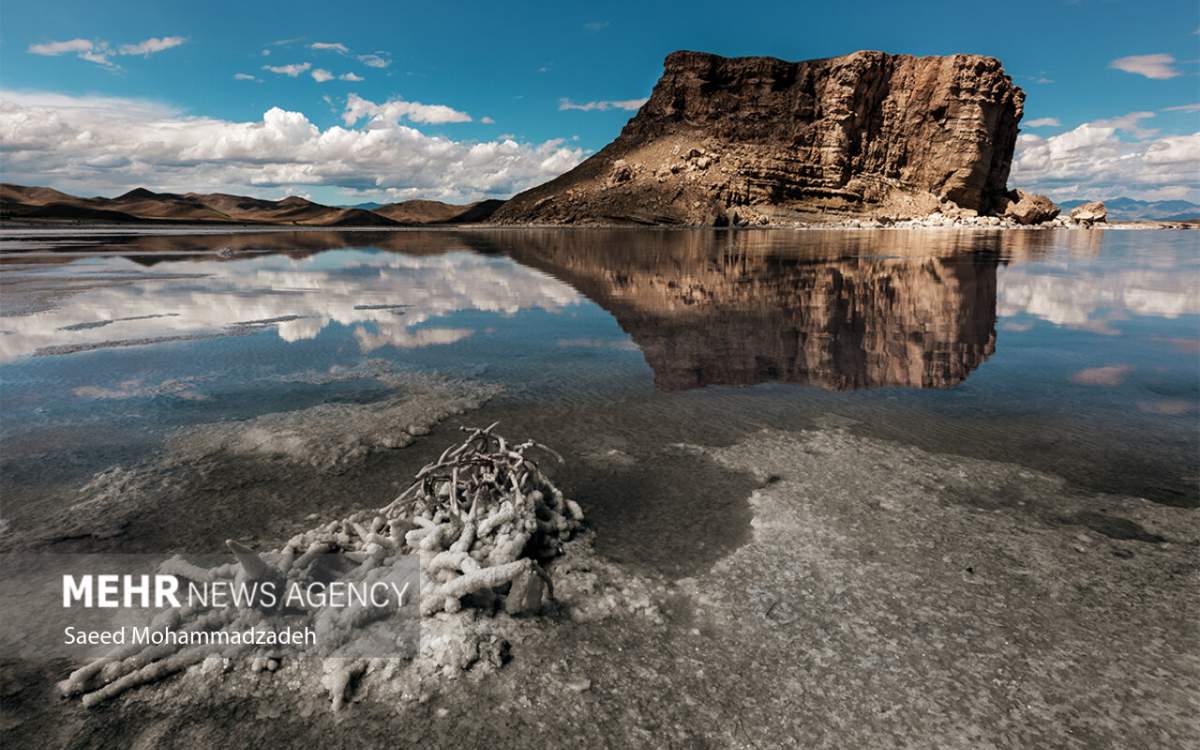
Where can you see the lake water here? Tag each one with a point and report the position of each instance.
(1072, 352)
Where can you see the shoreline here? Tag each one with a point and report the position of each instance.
(8, 229)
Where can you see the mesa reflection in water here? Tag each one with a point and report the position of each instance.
(831, 310)
(911, 311)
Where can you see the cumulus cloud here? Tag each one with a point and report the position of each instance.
(288, 70)
(105, 145)
(152, 45)
(99, 52)
(334, 46)
(1043, 122)
(395, 110)
(626, 104)
(244, 77)
(375, 60)
(487, 121)
(350, 77)
(1094, 161)
(1152, 66)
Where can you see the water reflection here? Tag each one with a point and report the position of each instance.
(898, 309)
(1090, 339)
(1091, 299)
(741, 311)
(836, 310)
(386, 299)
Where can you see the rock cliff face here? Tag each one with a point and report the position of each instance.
(764, 140)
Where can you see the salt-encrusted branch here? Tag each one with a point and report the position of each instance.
(481, 519)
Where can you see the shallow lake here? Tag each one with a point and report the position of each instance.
(1072, 352)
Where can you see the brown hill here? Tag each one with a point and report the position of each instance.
(38, 204)
(290, 210)
(756, 138)
(437, 212)
(145, 204)
(34, 196)
(18, 202)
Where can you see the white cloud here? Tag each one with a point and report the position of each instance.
(1044, 122)
(85, 49)
(1093, 161)
(320, 75)
(1129, 123)
(394, 110)
(152, 45)
(244, 77)
(1152, 66)
(61, 48)
(288, 70)
(99, 52)
(626, 104)
(1169, 193)
(335, 46)
(487, 121)
(1184, 108)
(89, 145)
(376, 60)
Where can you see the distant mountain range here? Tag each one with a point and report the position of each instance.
(39, 205)
(1129, 209)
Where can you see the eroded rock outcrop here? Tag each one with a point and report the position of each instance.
(762, 140)
(1028, 208)
(1093, 212)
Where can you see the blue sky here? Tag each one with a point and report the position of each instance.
(500, 73)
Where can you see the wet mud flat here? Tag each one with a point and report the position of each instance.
(878, 594)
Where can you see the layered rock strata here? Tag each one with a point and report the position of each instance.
(762, 140)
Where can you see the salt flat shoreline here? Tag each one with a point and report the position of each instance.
(18, 230)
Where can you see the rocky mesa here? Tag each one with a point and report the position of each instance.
(762, 140)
